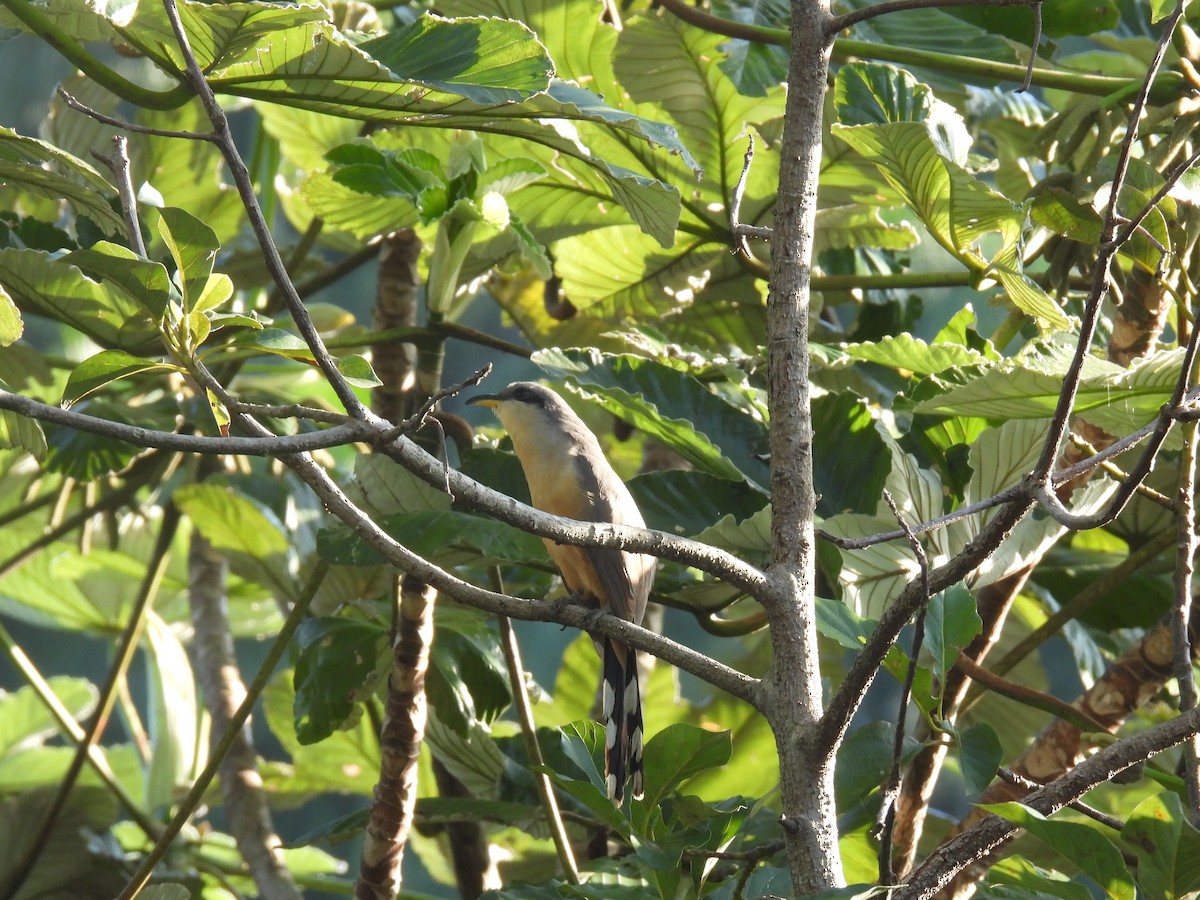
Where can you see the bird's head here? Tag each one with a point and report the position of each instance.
(527, 410)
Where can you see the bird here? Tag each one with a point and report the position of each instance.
(569, 476)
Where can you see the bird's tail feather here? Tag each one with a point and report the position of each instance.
(622, 702)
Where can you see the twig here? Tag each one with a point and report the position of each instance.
(126, 647)
(740, 231)
(290, 411)
(516, 678)
(1019, 780)
(118, 164)
(1119, 474)
(419, 419)
(132, 127)
(1033, 47)
(194, 796)
(1028, 696)
(245, 186)
(886, 818)
(1181, 619)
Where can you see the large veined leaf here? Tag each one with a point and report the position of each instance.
(58, 289)
(1080, 845)
(619, 274)
(1107, 394)
(230, 520)
(665, 62)
(22, 168)
(673, 407)
(920, 146)
(905, 352)
(261, 51)
(485, 60)
(1166, 845)
(871, 577)
(339, 663)
(105, 367)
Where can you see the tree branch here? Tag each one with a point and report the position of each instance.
(887, 7)
(958, 853)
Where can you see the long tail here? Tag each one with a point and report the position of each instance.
(622, 721)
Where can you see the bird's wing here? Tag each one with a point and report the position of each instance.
(624, 577)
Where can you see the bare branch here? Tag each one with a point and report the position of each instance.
(118, 164)
(740, 231)
(1015, 778)
(960, 852)
(258, 223)
(716, 25)
(132, 127)
(1033, 47)
(1181, 618)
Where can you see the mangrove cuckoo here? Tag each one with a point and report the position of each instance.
(569, 476)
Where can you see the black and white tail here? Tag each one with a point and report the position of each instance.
(622, 704)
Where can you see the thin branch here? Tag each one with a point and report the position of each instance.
(274, 445)
(886, 818)
(131, 127)
(1181, 619)
(196, 794)
(420, 418)
(740, 231)
(887, 7)
(1019, 780)
(1028, 696)
(338, 271)
(1119, 474)
(974, 844)
(716, 25)
(118, 164)
(1033, 47)
(516, 678)
(245, 186)
(290, 411)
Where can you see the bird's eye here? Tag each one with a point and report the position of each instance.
(526, 395)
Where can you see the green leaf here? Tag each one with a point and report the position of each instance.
(388, 488)
(230, 520)
(905, 352)
(346, 761)
(338, 666)
(484, 60)
(468, 680)
(193, 246)
(1034, 882)
(23, 164)
(686, 502)
(25, 720)
(1167, 848)
(920, 146)
(357, 371)
(979, 756)
(679, 752)
(146, 282)
(950, 624)
(1081, 845)
(59, 290)
(20, 433)
(864, 761)
(11, 326)
(88, 456)
(669, 405)
(104, 368)
(871, 577)
(174, 721)
(851, 462)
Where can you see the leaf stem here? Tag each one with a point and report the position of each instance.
(41, 25)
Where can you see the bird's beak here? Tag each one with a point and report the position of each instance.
(489, 400)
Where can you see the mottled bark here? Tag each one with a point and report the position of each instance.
(405, 715)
